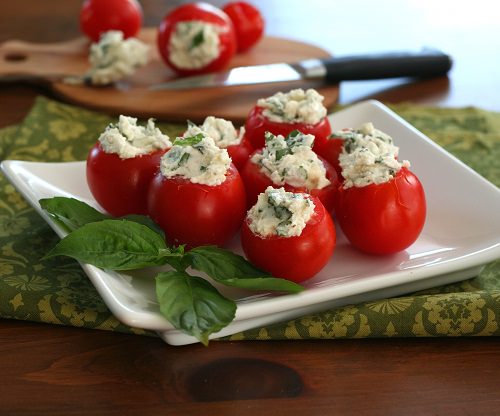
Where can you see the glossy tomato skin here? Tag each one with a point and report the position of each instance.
(256, 182)
(240, 153)
(384, 218)
(330, 149)
(204, 12)
(257, 124)
(248, 23)
(294, 258)
(98, 16)
(120, 186)
(197, 214)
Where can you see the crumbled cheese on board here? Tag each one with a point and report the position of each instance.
(114, 58)
(197, 159)
(194, 44)
(129, 140)
(368, 156)
(296, 106)
(291, 161)
(281, 213)
(222, 131)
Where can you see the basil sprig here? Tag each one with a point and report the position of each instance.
(190, 303)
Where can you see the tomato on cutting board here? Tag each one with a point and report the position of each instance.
(99, 16)
(196, 38)
(248, 23)
(279, 238)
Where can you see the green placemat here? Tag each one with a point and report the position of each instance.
(57, 291)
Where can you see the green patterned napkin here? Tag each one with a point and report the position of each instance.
(57, 291)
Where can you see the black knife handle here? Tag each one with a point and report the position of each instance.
(423, 64)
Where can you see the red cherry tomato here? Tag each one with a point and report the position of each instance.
(256, 182)
(120, 186)
(248, 23)
(257, 124)
(384, 218)
(197, 214)
(294, 258)
(240, 153)
(330, 149)
(98, 16)
(200, 12)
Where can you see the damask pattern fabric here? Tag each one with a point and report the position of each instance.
(57, 291)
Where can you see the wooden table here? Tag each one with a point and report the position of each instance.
(51, 370)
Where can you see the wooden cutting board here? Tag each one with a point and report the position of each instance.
(49, 62)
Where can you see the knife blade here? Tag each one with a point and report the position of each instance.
(426, 63)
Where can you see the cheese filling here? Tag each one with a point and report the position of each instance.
(368, 156)
(194, 44)
(114, 58)
(280, 213)
(197, 159)
(296, 106)
(291, 161)
(222, 131)
(129, 140)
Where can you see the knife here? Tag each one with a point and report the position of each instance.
(426, 63)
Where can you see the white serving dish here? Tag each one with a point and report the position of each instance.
(462, 233)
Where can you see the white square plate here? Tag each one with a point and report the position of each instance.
(462, 233)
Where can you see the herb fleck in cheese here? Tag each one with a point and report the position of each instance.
(291, 161)
(194, 44)
(128, 140)
(368, 156)
(281, 213)
(114, 58)
(197, 159)
(296, 106)
(222, 131)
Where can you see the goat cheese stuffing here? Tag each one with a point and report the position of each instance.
(114, 58)
(296, 106)
(197, 159)
(128, 140)
(194, 44)
(222, 131)
(281, 213)
(368, 156)
(291, 161)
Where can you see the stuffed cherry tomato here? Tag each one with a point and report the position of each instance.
(98, 16)
(381, 205)
(122, 163)
(291, 163)
(248, 23)
(197, 197)
(196, 38)
(289, 235)
(283, 113)
(225, 136)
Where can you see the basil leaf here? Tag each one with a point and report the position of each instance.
(71, 213)
(197, 40)
(193, 305)
(230, 269)
(144, 220)
(115, 245)
(189, 141)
